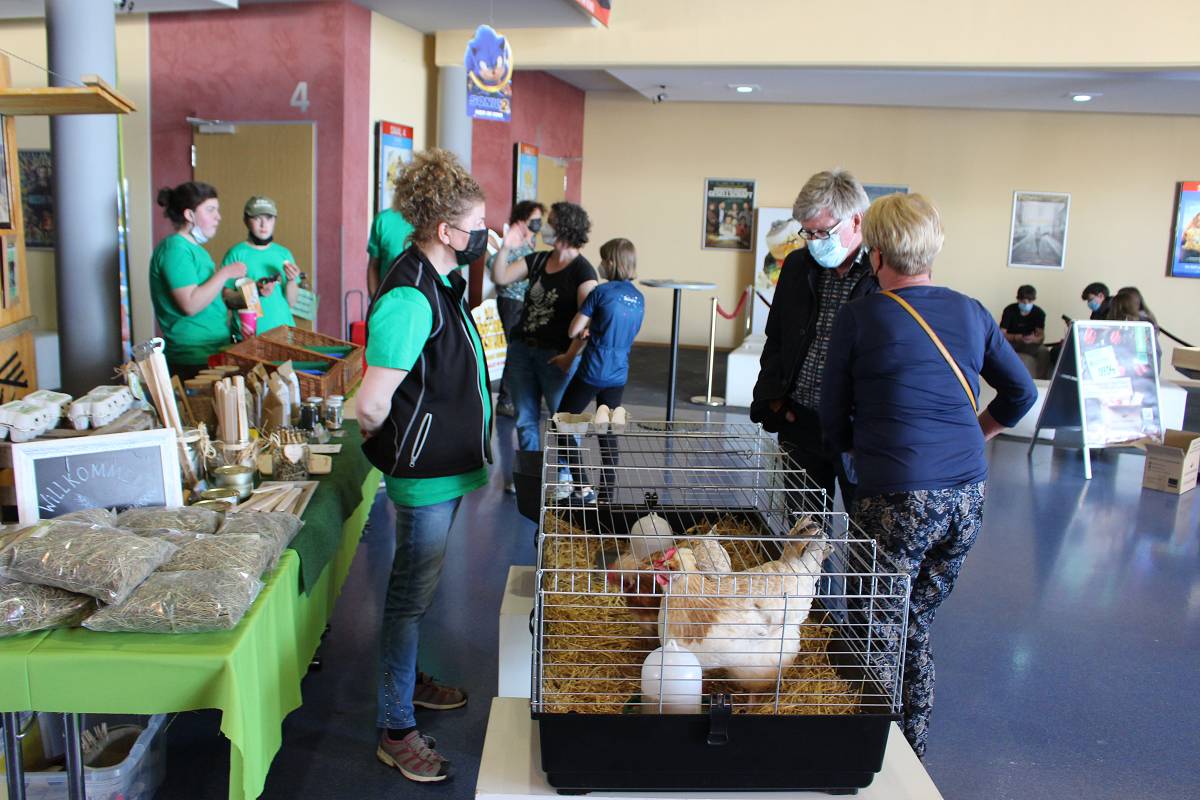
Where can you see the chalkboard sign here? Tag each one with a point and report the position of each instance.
(1104, 391)
(118, 470)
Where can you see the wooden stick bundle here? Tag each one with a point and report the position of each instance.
(157, 378)
(229, 395)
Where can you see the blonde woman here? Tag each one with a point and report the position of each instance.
(425, 406)
(907, 414)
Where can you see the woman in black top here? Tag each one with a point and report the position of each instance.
(537, 366)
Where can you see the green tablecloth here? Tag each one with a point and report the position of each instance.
(252, 673)
(340, 492)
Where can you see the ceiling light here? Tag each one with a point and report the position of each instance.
(743, 88)
(1083, 97)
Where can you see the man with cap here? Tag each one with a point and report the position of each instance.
(270, 264)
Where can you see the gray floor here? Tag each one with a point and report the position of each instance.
(1067, 656)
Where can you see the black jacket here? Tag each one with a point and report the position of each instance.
(791, 324)
(437, 424)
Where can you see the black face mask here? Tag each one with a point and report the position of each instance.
(535, 225)
(261, 242)
(476, 247)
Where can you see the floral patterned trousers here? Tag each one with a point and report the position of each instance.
(926, 533)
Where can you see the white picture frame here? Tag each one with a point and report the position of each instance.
(161, 484)
(1037, 234)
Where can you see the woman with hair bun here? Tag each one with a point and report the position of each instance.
(425, 408)
(185, 284)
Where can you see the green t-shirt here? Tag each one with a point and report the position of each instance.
(263, 264)
(178, 262)
(389, 238)
(400, 325)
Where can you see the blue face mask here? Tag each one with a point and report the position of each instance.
(1094, 304)
(1025, 307)
(829, 253)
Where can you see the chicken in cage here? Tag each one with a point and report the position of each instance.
(708, 606)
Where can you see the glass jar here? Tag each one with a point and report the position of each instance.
(334, 405)
(310, 414)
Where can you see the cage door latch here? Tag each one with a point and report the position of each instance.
(720, 710)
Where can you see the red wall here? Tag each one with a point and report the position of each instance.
(546, 112)
(244, 65)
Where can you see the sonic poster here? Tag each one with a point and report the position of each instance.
(1185, 241)
(489, 76)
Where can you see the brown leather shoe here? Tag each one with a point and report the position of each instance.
(428, 693)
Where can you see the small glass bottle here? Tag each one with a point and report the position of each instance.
(310, 413)
(333, 411)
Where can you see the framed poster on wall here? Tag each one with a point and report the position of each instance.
(393, 149)
(728, 215)
(877, 190)
(776, 236)
(1184, 261)
(1038, 233)
(37, 197)
(525, 172)
(6, 193)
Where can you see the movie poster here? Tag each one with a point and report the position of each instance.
(37, 197)
(776, 236)
(1038, 235)
(489, 64)
(525, 178)
(6, 209)
(728, 213)
(877, 190)
(394, 146)
(1185, 238)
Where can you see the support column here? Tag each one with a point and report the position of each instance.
(81, 40)
(454, 127)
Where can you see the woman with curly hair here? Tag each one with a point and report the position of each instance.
(538, 364)
(425, 408)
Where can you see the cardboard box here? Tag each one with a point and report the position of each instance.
(1186, 357)
(1172, 466)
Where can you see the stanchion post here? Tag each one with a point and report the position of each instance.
(707, 398)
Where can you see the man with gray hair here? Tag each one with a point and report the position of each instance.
(814, 283)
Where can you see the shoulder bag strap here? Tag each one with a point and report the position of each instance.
(941, 347)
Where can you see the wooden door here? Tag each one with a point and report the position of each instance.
(275, 159)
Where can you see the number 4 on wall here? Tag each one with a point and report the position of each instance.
(300, 97)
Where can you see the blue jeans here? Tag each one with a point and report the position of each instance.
(531, 379)
(421, 534)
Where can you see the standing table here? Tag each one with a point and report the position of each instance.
(251, 673)
(677, 285)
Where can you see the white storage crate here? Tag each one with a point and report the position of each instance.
(136, 778)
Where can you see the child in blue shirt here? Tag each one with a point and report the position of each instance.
(607, 322)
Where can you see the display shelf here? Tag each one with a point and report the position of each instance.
(94, 97)
(511, 767)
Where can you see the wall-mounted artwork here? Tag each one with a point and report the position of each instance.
(37, 197)
(878, 190)
(1185, 233)
(1038, 234)
(6, 195)
(394, 149)
(728, 213)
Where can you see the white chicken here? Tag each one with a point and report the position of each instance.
(745, 623)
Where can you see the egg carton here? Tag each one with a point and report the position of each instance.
(23, 421)
(99, 407)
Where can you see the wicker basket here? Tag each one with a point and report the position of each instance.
(351, 363)
(257, 350)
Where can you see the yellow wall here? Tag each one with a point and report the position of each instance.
(401, 75)
(644, 167)
(1015, 33)
(27, 39)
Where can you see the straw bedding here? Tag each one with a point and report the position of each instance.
(595, 643)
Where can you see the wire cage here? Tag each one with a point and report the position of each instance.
(694, 587)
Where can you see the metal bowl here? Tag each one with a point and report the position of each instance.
(234, 476)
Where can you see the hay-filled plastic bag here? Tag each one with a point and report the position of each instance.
(197, 601)
(26, 607)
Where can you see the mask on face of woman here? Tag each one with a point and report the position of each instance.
(548, 234)
(197, 234)
(535, 225)
(476, 247)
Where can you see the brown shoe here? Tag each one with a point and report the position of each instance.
(414, 757)
(428, 693)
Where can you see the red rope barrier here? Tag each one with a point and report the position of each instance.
(736, 311)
